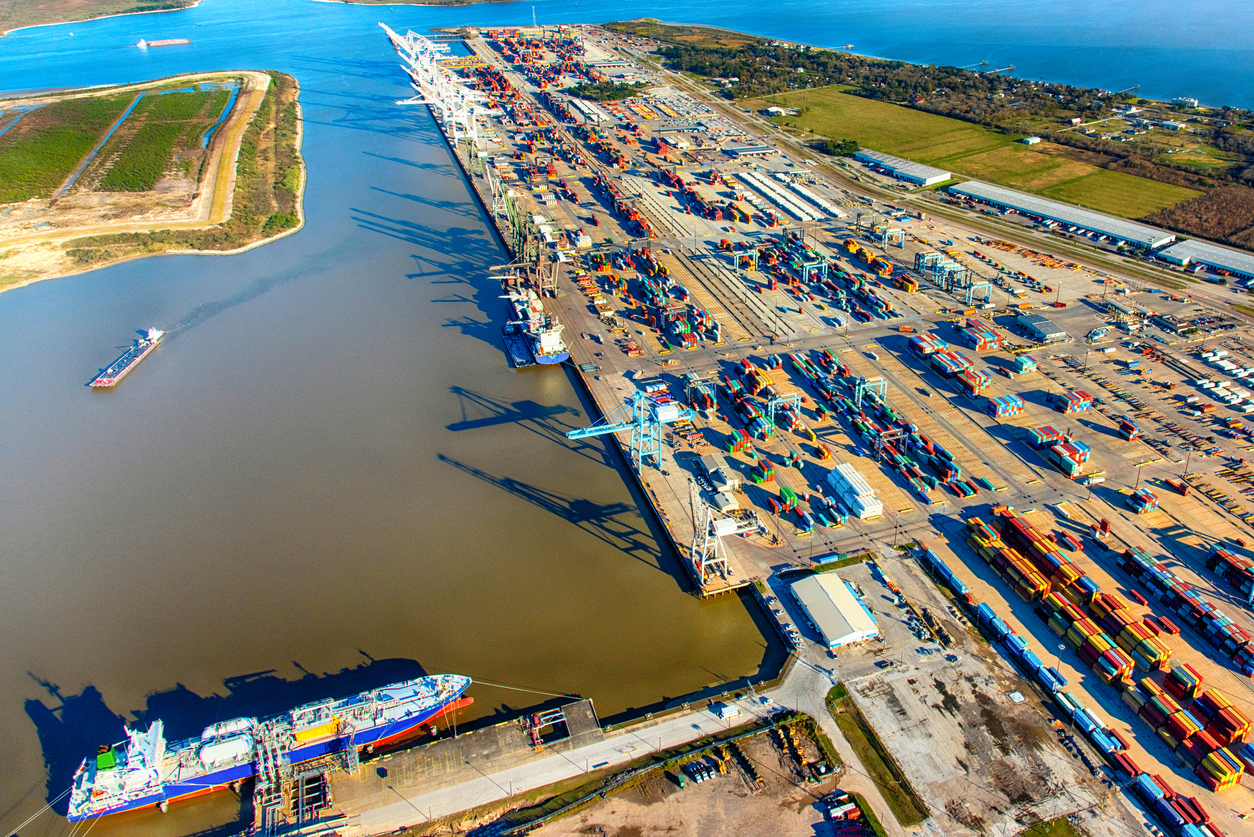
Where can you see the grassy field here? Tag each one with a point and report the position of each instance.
(15, 14)
(1119, 193)
(1054, 828)
(41, 151)
(906, 805)
(164, 125)
(697, 36)
(924, 137)
(974, 151)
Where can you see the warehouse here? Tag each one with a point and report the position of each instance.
(749, 150)
(1210, 255)
(1080, 220)
(835, 609)
(1041, 329)
(916, 173)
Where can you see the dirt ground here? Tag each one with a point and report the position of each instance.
(981, 760)
(731, 803)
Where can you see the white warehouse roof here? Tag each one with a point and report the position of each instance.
(835, 609)
(1065, 213)
(905, 169)
(1232, 261)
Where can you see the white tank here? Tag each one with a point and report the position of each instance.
(226, 750)
(228, 728)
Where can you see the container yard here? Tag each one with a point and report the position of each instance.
(788, 383)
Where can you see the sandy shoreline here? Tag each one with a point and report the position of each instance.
(6, 32)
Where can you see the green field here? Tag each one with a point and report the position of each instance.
(158, 127)
(1119, 193)
(973, 151)
(920, 136)
(41, 151)
(139, 166)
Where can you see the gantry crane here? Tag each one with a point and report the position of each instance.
(643, 418)
(707, 553)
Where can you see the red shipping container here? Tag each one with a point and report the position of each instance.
(1152, 716)
(1192, 751)
(1127, 765)
(1148, 621)
(1088, 656)
(1196, 813)
(1207, 740)
(1123, 741)
(1162, 783)
(1178, 728)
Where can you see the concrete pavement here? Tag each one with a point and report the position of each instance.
(804, 688)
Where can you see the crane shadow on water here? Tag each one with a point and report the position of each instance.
(602, 521)
(72, 730)
(480, 411)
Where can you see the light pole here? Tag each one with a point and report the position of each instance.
(1138, 474)
(1058, 658)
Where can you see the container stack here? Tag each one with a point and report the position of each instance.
(763, 472)
(1192, 607)
(1075, 401)
(1010, 566)
(1183, 682)
(1235, 571)
(1147, 652)
(1023, 364)
(1068, 458)
(755, 379)
(1128, 430)
(1044, 437)
(950, 363)
(979, 336)
(974, 381)
(1005, 406)
(1223, 721)
(854, 492)
(738, 442)
(1142, 501)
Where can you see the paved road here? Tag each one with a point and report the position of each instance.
(804, 689)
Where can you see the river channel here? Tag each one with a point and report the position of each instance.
(325, 478)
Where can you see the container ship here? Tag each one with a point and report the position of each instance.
(541, 331)
(118, 369)
(144, 770)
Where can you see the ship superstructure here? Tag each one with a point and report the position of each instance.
(146, 770)
(132, 356)
(542, 331)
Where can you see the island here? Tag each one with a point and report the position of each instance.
(206, 162)
(21, 14)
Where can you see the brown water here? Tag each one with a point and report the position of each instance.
(325, 463)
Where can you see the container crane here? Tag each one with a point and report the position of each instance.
(643, 418)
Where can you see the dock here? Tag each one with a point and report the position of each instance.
(453, 760)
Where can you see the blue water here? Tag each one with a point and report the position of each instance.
(230, 103)
(1202, 48)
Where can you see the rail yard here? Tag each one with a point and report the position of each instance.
(802, 362)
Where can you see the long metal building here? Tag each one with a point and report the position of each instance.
(1063, 213)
